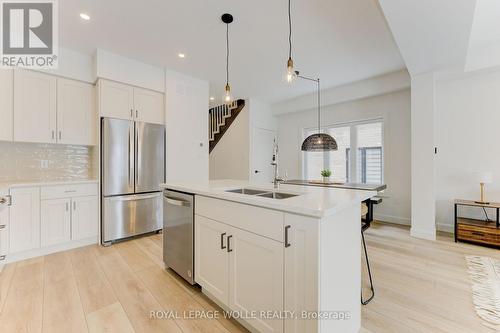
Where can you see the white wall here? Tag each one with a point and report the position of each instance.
(467, 136)
(235, 154)
(394, 109)
(230, 159)
(118, 68)
(186, 104)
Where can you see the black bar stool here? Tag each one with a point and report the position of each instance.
(366, 210)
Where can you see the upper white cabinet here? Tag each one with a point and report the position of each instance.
(76, 118)
(35, 118)
(149, 106)
(6, 104)
(117, 100)
(24, 222)
(53, 110)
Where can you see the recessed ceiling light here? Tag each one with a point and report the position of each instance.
(182, 55)
(212, 98)
(84, 16)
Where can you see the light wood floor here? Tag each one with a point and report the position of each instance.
(421, 286)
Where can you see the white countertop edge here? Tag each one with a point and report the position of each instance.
(16, 184)
(307, 195)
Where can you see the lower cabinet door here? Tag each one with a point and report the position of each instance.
(84, 217)
(211, 257)
(24, 219)
(55, 221)
(256, 279)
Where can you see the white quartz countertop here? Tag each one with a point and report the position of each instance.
(4, 186)
(311, 200)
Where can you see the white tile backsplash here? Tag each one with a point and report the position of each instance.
(46, 162)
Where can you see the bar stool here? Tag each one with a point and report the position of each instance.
(365, 224)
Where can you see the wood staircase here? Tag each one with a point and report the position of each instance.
(219, 120)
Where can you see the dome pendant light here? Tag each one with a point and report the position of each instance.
(320, 141)
(227, 19)
(290, 73)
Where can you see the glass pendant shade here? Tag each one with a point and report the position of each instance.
(227, 95)
(319, 142)
(290, 73)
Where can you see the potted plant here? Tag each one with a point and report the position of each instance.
(326, 175)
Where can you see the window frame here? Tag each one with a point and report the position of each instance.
(352, 161)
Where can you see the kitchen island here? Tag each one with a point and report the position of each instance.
(280, 260)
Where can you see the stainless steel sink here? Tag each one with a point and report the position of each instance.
(248, 191)
(261, 193)
(277, 195)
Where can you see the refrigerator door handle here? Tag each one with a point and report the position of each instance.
(137, 157)
(135, 197)
(177, 202)
(130, 159)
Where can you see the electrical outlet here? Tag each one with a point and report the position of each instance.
(44, 164)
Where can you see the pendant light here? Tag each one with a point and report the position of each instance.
(290, 73)
(227, 19)
(320, 141)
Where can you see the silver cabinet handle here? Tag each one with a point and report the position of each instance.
(70, 191)
(60, 135)
(222, 246)
(74, 205)
(2, 258)
(2, 226)
(67, 208)
(53, 134)
(131, 113)
(136, 114)
(177, 202)
(229, 244)
(287, 243)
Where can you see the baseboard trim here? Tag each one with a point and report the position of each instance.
(392, 219)
(443, 227)
(50, 249)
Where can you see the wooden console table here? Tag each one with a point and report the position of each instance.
(476, 231)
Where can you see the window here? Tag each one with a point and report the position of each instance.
(365, 166)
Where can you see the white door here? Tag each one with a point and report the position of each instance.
(4, 228)
(262, 155)
(6, 104)
(76, 117)
(84, 217)
(301, 271)
(34, 107)
(55, 221)
(24, 219)
(211, 257)
(116, 100)
(149, 106)
(256, 277)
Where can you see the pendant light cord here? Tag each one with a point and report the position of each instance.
(289, 30)
(227, 53)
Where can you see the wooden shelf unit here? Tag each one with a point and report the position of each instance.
(476, 231)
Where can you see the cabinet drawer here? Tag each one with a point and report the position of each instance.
(67, 191)
(472, 233)
(261, 221)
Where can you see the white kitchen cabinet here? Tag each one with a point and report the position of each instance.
(211, 257)
(76, 115)
(55, 221)
(6, 104)
(4, 226)
(24, 219)
(148, 106)
(116, 100)
(256, 264)
(34, 107)
(301, 271)
(84, 217)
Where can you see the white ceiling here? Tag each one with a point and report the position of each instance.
(342, 41)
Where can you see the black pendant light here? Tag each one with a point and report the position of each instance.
(290, 73)
(319, 141)
(227, 19)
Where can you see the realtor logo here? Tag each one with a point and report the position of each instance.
(29, 33)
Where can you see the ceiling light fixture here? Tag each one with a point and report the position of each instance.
(290, 73)
(320, 141)
(84, 16)
(182, 55)
(227, 19)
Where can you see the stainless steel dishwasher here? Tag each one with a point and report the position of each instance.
(178, 233)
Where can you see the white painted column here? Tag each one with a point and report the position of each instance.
(423, 198)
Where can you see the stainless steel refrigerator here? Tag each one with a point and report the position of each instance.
(132, 169)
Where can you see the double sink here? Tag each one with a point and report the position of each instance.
(261, 193)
